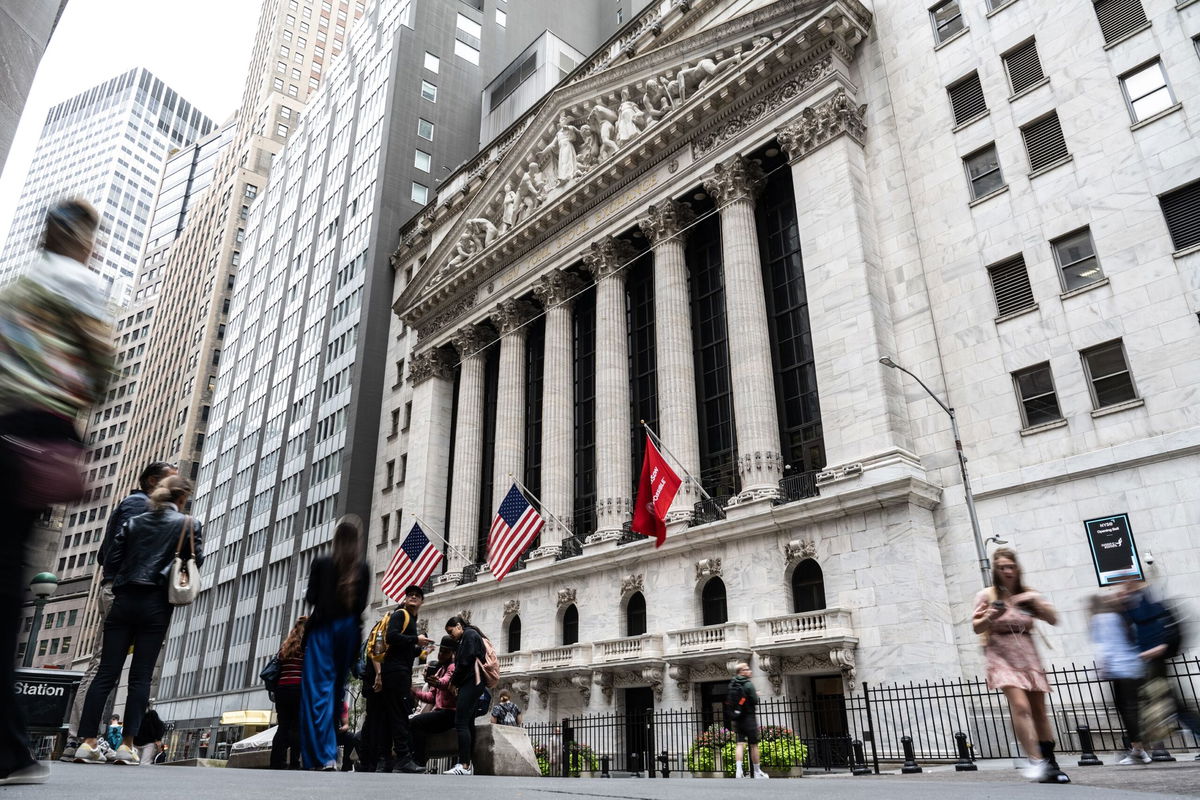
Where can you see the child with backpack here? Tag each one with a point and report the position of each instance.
(476, 668)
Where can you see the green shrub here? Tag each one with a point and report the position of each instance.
(543, 758)
(778, 747)
(582, 759)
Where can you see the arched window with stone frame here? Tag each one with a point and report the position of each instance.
(570, 625)
(808, 587)
(635, 614)
(514, 634)
(713, 608)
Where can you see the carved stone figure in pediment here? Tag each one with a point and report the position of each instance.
(690, 80)
(562, 148)
(484, 229)
(656, 102)
(508, 205)
(603, 121)
(532, 190)
(629, 118)
(589, 148)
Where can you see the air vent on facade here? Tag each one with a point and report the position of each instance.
(1119, 17)
(1182, 211)
(1044, 142)
(1024, 66)
(1010, 282)
(966, 98)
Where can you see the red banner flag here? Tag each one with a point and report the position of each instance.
(656, 490)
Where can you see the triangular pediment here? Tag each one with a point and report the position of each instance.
(590, 131)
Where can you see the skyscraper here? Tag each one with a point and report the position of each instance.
(107, 145)
(291, 438)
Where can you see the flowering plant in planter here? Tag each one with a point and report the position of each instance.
(778, 747)
(702, 755)
(542, 754)
(582, 758)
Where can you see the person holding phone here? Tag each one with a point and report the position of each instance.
(1004, 618)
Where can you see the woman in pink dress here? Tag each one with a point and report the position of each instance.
(1004, 618)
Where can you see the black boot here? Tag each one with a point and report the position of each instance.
(1054, 774)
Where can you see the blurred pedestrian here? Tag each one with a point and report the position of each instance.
(1118, 661)
(55, 359)
(440, 695)
(1004, 616)
(742, 701)
(469, 683)
(338, 585)
(506, 712)
(138, 502)
(148, 740)
(285, 747)
(140, 560)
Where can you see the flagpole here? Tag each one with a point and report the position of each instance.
(426, 526)
(691, 478)
(538, 500)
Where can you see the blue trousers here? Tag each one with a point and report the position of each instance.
(329, 652)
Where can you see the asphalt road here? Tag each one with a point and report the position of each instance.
(1180, 780)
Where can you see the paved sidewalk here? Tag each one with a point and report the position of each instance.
(998, 782)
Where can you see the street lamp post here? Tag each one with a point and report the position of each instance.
(985, 567)
(42, 586)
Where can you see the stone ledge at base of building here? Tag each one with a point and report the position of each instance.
(499, 750)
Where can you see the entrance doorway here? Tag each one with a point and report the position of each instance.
(639, 729)
(831, 731)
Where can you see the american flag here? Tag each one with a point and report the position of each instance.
(516, 525)
(412, 565)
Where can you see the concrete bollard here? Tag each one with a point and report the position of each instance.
(910, 766)
(858, 766)
(1087, 750)
(966, 762)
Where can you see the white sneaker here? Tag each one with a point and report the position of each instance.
(459, 769)
(1036, 770)
(738, 772)
(125, 755)
(1135, 757)
(759, 774)
(87, 754)
(34, 773)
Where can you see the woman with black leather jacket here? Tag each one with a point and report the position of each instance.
(468, 661)
(139, 559)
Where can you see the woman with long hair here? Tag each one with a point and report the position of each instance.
(1004, 617)
(337, 591)
(55, 359)
(139, 559)
(468, 680)
(287, 700)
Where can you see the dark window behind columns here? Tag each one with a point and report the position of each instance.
(584, 314)
(535, 351)
(440, 538)
(487, 511)
(791, 337)
(643, 385)
(714, 399)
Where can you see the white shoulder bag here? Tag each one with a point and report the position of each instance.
(184, 581)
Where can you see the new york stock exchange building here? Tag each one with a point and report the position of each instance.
(720, 223)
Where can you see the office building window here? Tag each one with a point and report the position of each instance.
(1075, 255)
(1108, 374)
(1044, 142)
(947, 20)
(501, 18)
(1023, 66)
(422, 160)
(1119, 18)
(983, 172)
(432, 62)
(1146, 91)
(966, 99)
(1181, 208)
(425, 129)
(466, 52)
(420, 193)
(1010, 283)
(1035, 391)
(429, 91)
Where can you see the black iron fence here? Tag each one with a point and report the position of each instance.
(874, 724)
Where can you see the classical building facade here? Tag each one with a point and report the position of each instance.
(719, 223)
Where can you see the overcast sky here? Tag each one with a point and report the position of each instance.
(200, 48)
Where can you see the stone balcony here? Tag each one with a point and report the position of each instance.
(790, 630)
(709, 642)
(628, 650)
(567, 657)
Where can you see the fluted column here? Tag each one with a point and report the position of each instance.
(558, 410)
(666, 228)
(734, 184)
(606, 260)
(468, 451)
(508, 463)
(432, 375)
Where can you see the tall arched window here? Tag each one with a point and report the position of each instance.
(635, 615)
(514, 634)
(808, 587)
(570, 625)
(712, 603)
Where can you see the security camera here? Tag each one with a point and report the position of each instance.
(1148, 558)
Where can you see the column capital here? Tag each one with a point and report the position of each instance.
(435, 363)
(470, 340)
(820, 124)
(607, 256)
(510, 315)
(735, 178)
(557, 287)
(667, 220)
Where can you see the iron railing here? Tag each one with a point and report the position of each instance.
(798, 487)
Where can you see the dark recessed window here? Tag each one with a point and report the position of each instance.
(635, 615)
(713, 609)
(808, 587)
(966, 99)
(1181, 208)
(983, 172)
(1044, 142)
(514, 634)
(947, 20)
(1119, 17)
(1035, 391)
(1010, 282)
(1075, 255)
(1108, 374)
(1023, 66)
(570, 625)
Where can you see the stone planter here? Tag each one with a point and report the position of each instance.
(784, 772)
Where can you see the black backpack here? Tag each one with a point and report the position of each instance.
(736, 699)
(270, 675)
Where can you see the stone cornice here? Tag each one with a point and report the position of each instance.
(820, 124)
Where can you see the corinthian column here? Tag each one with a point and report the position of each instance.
(734, 184)
(468, 451)
(613, 478)
(508, 463)
(558, 410)
(665, 227)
